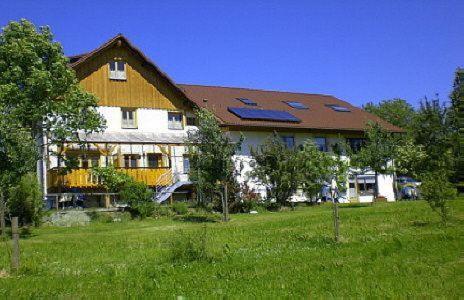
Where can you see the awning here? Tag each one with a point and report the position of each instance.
(134, 138)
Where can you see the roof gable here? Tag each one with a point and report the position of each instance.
(119, 40)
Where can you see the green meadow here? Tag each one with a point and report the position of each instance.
(386, 250)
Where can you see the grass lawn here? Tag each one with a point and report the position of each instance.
(386, 250)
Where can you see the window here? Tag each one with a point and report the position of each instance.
(131, 160)
(355, 143)
(154, 160)
(186, 164)
(247, 101)
(289, 141)
(321, 143)
(338, 108)
(129, 118)
(175, 120)
(296, 105)
(117, 70)
(191, 120)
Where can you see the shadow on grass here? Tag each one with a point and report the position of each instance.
(198, 218)
(354, 205)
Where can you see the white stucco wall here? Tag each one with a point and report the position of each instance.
(252, 139)
(148, 120)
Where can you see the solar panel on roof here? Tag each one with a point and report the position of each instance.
(296, 104)
(338, 108)
(263, 114)
(247, 101)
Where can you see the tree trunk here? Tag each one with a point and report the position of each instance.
(376, 186)
(2, 214)
(336, 220)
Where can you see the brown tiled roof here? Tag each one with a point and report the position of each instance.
(319, 116)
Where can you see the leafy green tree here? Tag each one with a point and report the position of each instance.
(377, 154)
(276, 166)
(432, 130)
(211, 151)
(437, 191)
(410, 158)
(395, 111)
(39, 97)
(457, 122)
(316, 167)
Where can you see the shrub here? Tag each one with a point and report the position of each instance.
(190, 247)
(437, 190)
(139, 197)
(180, 208)
(25, 200)
(160, 210)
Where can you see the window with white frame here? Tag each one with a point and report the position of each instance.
(117, 70)
(175, 120)
(129, 118)
(186, 164)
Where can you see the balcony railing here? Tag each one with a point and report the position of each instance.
(83, 178)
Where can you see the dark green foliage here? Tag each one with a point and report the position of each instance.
(437, 191)
(395, 111)
(138, 196)
(433, 132)
(211, 151)
(134, 193)
(180, 208)
(457, 123)
(25, 200)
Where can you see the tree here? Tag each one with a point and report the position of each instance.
(276, 166)
(395, 111)
(377, 154)
(437, 190)
(39, 97)
(432, 130)
(457, 122)
(211, 151)
(316, 167)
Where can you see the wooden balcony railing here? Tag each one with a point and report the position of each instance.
(83, 178)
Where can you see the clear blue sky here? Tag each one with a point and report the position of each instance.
(359, 51)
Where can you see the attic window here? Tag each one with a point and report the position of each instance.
(247, 101)
(296, 105)
(338, 108)
(117, 70)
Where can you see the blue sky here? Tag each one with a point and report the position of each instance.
(359, 51)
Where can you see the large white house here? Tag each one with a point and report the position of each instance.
(148, 117)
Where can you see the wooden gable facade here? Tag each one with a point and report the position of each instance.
(145, 85)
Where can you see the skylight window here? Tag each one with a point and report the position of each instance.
(338, 108)
(247, 101)
(296, 105)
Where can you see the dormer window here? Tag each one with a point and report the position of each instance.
(117, 70)
(129, 118)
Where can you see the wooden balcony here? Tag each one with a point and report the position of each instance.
(83, 178)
